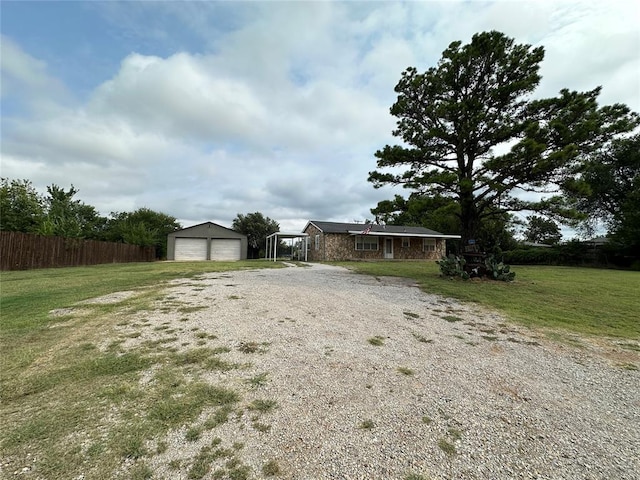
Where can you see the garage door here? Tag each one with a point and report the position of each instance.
(191, 249)
(225, 249)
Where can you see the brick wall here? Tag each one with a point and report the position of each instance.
(341, 247)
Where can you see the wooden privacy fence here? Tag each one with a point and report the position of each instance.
(23, 251)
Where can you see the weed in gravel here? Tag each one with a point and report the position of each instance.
(205, 458)
(258, 380)
(218, 418)
(261, 427)
(193, 434)
(376, 341)
(161, 447)
(194, 308)
(239, 472)
(455, 434)
(422, 338)
(366, 425)
(262, 406)
(489, 338)
(415, 476)
(271, 468)
(253, 347)
(131, 443)
(411, 315)
(447, 447)
(405, 371)
(175, 465)
(234, 297)
(141, 472)
(452, 318)
(426, 420)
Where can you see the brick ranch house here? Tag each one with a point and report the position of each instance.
(333, 241)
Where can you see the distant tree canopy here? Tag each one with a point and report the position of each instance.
(257, 228)
(542, 230)
(452, 118)
(143, 227)
(608, 190)
(68, 217)
(442, 214)
(23, 209)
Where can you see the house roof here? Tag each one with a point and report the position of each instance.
(377, 230)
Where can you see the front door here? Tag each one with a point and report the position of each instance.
(388, 248)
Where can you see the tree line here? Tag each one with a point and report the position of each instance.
(60, 213)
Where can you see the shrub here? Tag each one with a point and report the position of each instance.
(453, 266)
(498, 270)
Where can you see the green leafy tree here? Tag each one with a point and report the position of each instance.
(22, 209)
(542, 230)
(442, 214)
(435, 212)
(257, 228)
(452, 118)
(608, 192)
(143, 227)
(69, 217)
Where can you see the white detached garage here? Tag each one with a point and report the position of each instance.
(206, 241)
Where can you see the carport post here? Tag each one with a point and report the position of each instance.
(275, 247)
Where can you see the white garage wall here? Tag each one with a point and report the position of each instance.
(223, 249)
(191, 249)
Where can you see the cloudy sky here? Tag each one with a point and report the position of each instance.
(203, 110)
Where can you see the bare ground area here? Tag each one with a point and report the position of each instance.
(371, 378)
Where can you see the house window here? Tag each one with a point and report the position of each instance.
(428, 244)
(406, 242)
(366, 242)
(317, 242)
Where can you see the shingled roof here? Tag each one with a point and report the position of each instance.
(395, 230)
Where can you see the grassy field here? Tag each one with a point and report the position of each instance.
(73, 403)
(581, 300)
(72, 400)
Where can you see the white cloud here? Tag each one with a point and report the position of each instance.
(26, 80)
(280, 111)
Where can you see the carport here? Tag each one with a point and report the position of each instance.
(274, 239)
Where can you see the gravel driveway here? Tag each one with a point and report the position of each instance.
(375, 379)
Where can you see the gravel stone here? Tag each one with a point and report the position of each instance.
(511, 403)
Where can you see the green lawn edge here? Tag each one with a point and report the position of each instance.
(596, 302)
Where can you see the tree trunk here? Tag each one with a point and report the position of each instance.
(469, 218)
(471, 250)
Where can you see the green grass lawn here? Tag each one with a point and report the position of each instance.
(62, 378)
(72, 397)
(27, 296)
(581, 300)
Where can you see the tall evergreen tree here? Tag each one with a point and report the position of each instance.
(457, 118)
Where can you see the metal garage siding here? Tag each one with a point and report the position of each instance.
(224, 249)
(191, 249)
